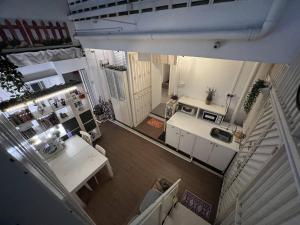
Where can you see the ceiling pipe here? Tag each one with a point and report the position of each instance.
(249, 34)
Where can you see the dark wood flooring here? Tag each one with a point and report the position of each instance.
(148, 130)
(137, 164)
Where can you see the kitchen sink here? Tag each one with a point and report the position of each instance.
(221, 135)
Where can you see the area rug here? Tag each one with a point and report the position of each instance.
(155, 123)
(197, 205)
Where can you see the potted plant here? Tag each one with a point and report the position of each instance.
(210, 94)
(11, 80)
(258, 87)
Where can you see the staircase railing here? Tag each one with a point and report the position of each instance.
(272, 197)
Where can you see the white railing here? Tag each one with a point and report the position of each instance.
(95, 9)
(255, 152)
(158, 211)
(272, 197)
(286, 82)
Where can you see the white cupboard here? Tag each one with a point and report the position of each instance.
(220, 157)
(180, 139)
(213, 154)
(186, 142)
(172, 136)
(202, 149)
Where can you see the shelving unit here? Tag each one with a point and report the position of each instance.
(64, 114)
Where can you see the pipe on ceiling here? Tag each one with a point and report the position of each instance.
(249, 34)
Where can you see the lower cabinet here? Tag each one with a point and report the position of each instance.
(212, 154)
(180, 139)
(186, 142)
(220, 157)
(200, 148)
(172, 136)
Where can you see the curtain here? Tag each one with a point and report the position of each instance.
(30, 58)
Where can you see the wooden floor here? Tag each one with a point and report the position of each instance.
(137, 164)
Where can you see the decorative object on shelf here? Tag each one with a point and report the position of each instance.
(11, 80)
(29, 133)
(62, 102)
(32, 96)
(252, 95)
(63, 115)
(33, 33)
(210, 94)
(49, 121)
(21, 117)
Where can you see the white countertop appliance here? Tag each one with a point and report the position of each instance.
(170, 108)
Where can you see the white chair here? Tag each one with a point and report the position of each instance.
(100, 149)
(86, 136)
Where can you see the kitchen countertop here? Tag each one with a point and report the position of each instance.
(221, 110)
(200, 128)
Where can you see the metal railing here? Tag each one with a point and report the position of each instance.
(101, 9)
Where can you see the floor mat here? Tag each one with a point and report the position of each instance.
(155, 123)
(197, 205)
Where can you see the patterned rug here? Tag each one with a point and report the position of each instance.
(155, 123)
(197, 205)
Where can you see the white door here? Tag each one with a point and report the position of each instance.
(220, 157)
(202, 149)
(186, 142)
(140, 87)
(156, 83)
(172, 136)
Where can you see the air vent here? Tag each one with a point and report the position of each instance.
(122, 2)
(220, 1)
(200, 2)
(179, 5)
(134, 12)
(147, 10)
(125, 13)
(163, 7)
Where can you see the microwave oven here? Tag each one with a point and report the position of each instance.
(213, 117)
(188, 109)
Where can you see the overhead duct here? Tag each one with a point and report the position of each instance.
(249, 34)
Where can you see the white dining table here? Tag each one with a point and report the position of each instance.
(77, 163)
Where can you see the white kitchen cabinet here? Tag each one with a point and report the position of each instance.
(172, 136)
(186, 142)
(220, 157)
(202, 149)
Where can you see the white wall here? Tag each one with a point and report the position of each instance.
(281, 46)
(194, 75)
